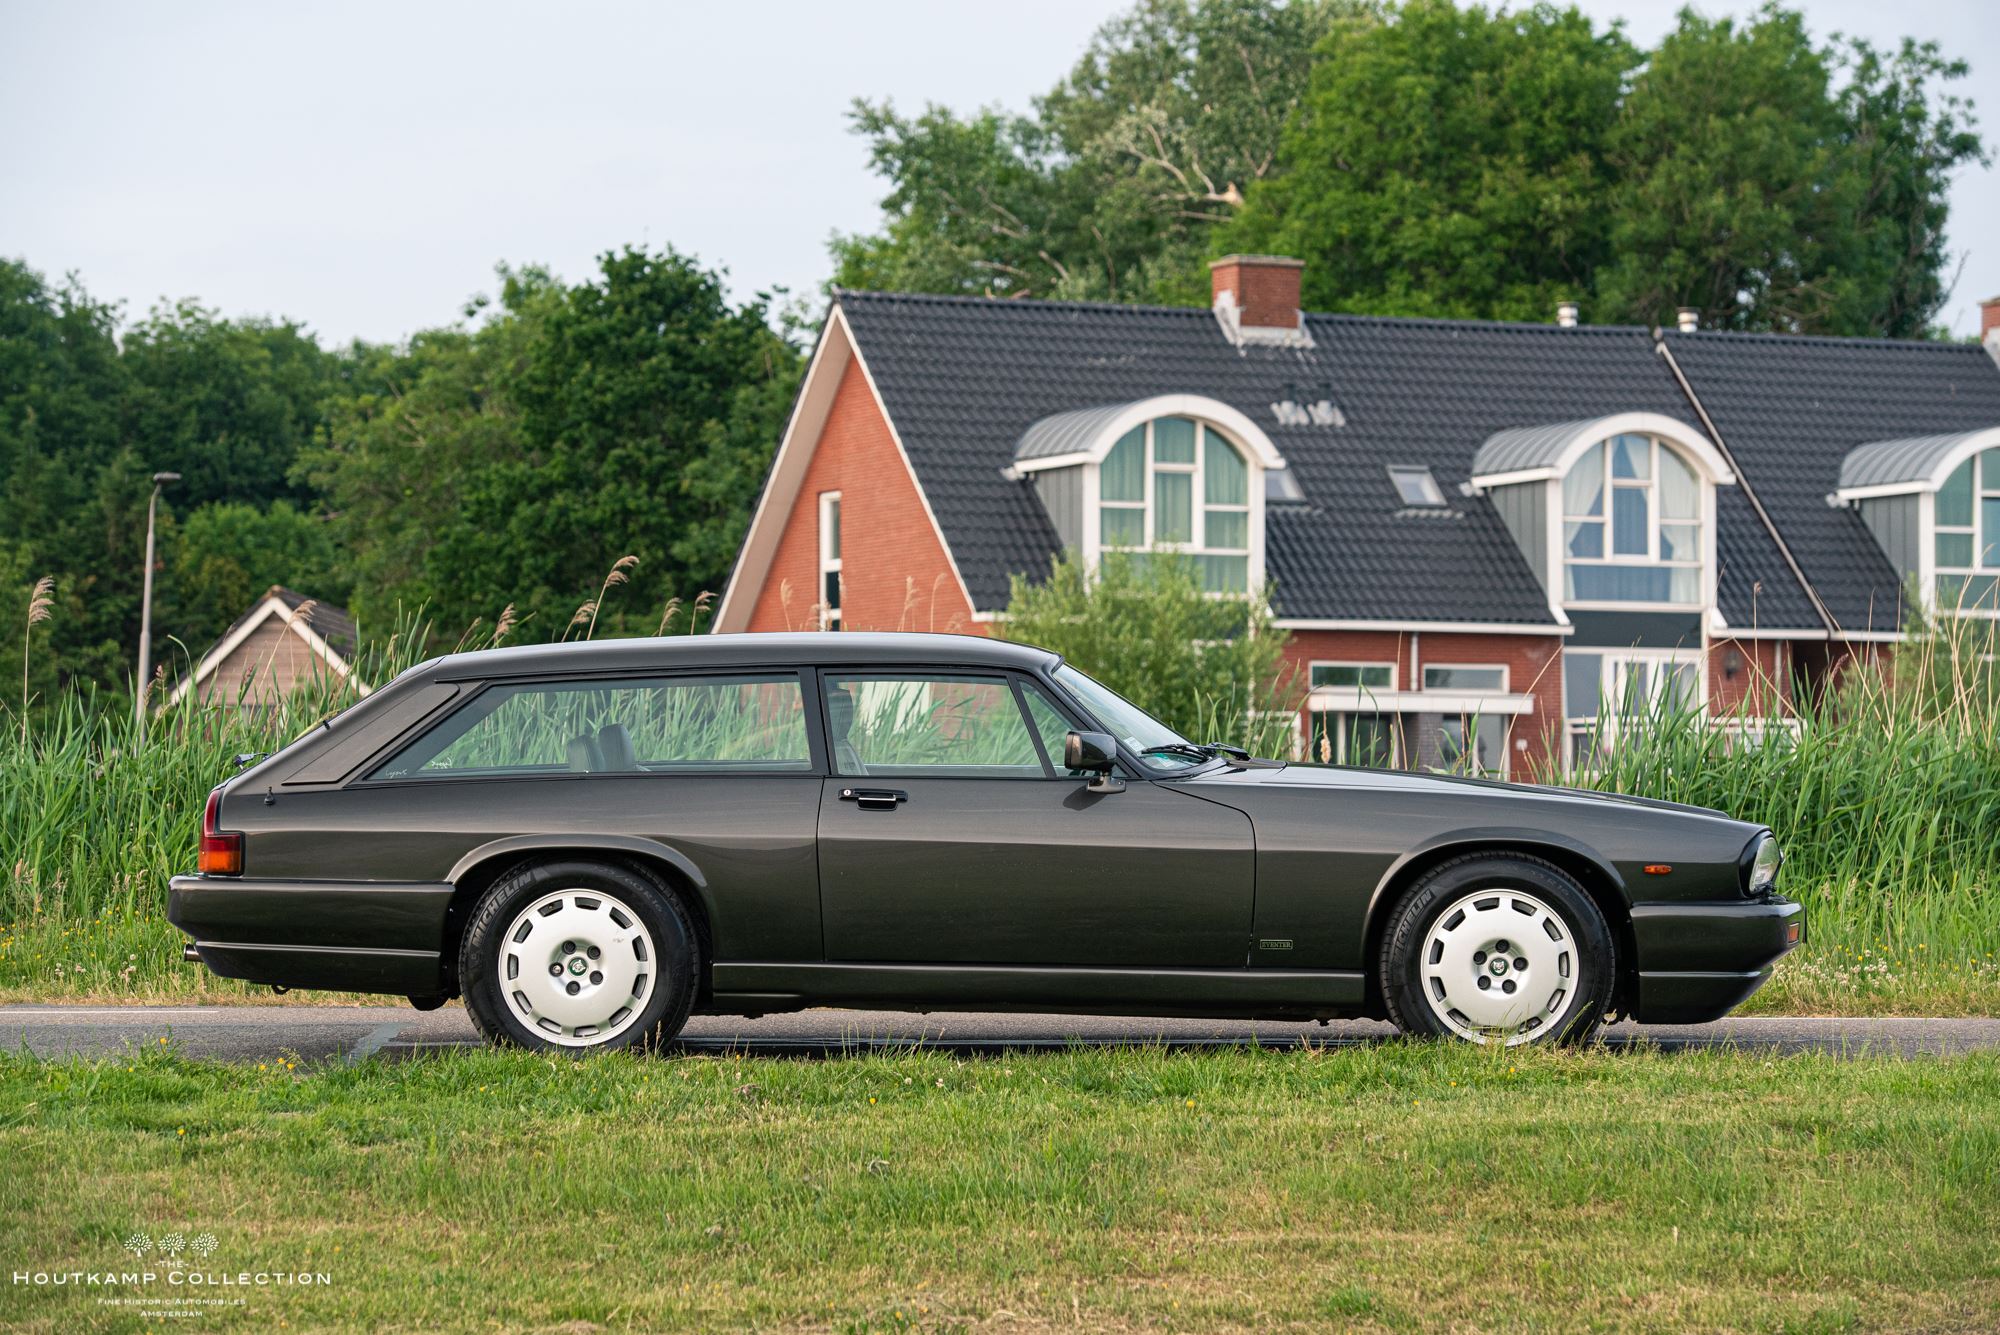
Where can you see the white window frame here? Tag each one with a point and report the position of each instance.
(1468, 721)
(1350, 663)
(1505, 680)
(1610, 661)
(1981, 492)
(829, 561)
(1252, 507)
(1397, 741)
(1704, 563)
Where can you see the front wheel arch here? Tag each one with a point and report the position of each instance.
(1596, 878)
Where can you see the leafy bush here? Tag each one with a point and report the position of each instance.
(1214, 668)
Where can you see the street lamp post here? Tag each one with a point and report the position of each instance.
(160, 480)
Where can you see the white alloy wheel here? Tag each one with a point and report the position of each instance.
(1499, 962)
(577, 967)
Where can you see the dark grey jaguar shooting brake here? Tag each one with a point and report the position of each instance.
(589, 842)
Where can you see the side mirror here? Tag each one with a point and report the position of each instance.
(1094, 753)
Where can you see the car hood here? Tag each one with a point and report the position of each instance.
(1347, 778)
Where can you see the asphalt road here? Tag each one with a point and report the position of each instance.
(351, 1033)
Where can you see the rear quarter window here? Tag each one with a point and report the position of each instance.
(333, 749)
(661, 725)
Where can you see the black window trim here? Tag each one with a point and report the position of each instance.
(1065, 708)
(817, 754)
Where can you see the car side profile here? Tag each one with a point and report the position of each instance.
(589, 842)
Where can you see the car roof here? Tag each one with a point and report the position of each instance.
(833, 648)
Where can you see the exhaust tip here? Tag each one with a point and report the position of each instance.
(190, 954)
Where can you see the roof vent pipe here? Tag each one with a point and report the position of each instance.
(1566, 314)
(1690, 319)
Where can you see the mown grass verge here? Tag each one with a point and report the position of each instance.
(1387, 1187)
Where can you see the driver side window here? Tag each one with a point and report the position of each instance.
(936, 724)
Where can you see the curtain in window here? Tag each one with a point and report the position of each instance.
(1122, 476)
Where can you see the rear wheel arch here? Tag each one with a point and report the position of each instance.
(1597, 878)
(476, 874)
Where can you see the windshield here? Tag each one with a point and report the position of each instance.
(1159, 747)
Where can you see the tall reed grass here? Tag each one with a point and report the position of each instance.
(1885, 793)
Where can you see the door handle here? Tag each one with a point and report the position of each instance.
(874, 799)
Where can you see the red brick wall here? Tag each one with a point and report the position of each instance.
(1989, 317)
(1266, 288)
(1748, 676)
(1533, 663)
(894, 571)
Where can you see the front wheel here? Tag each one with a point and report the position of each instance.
(576, 956)
(1497, 948)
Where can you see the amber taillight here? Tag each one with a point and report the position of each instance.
(221, 854)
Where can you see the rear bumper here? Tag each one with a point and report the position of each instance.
(1698, 962)
(350, 936)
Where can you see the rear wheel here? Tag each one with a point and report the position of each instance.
(1498, 948)
(577, 956)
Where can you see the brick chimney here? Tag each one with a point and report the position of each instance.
(1989, 319)
(1256, 299)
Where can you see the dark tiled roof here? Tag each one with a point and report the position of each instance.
(963, 378)
(1791, 408)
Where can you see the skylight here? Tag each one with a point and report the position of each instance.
(1416, 486)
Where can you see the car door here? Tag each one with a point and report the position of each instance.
(947, 836)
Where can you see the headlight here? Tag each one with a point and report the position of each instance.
(1761, 861)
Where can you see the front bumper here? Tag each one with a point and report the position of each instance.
(1698, 962)
(354, 937)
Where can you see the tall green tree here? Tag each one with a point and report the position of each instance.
(649, 406)
(62, 453)
(88, 413)
(515, 462)
(1456, 161)
(226, 404)
(223, 556)
(416, 430)
(1776, 184)
(1432, 158)
(1112, 188)
(1447, 162)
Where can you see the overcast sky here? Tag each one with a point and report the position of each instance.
(361, 167)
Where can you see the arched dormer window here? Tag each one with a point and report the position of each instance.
(1933, 502)
(1177, 473)
(1632, 525)
(1179, 484)
(1629, 501)
(1967, 542)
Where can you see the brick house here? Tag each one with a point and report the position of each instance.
(1473, 532)
(286, 640)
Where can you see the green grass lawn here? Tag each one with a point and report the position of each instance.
(1388, 1187)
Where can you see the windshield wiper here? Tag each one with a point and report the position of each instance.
(1188, 749)
(1237, 758)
